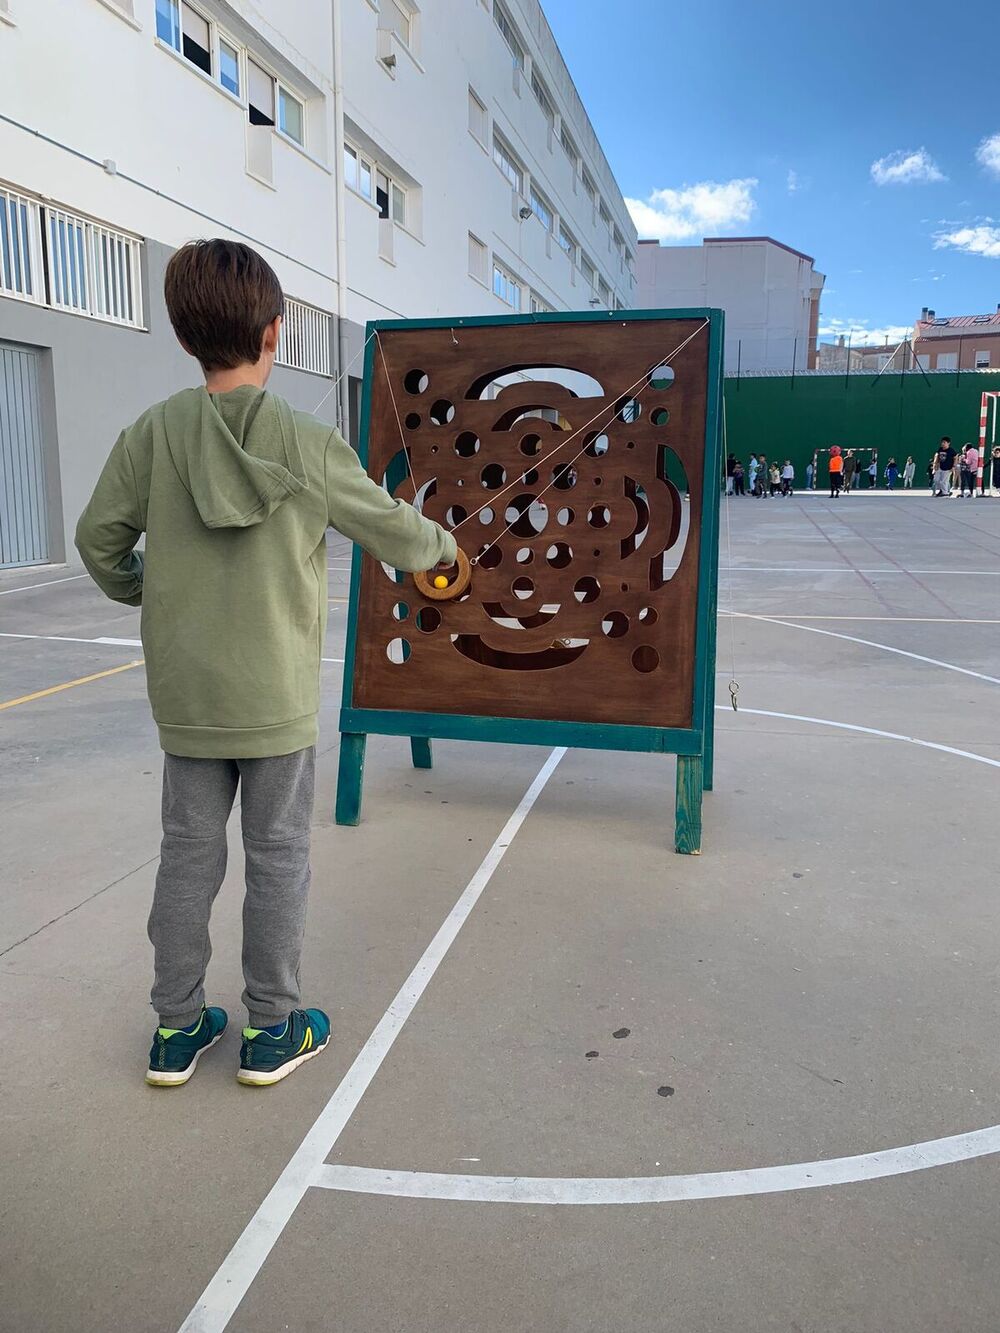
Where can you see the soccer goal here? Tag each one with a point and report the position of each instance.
(987, 419)
(865, 457)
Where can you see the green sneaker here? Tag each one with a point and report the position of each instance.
(265, 1059)
(175, 1053)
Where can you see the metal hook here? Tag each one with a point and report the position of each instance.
(734, 690)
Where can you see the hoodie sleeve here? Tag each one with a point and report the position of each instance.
(109, 528)
(388, 529)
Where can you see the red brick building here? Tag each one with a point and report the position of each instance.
(959, 342)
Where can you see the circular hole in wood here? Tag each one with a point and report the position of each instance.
(599, 516)
(628, 410)
(412, 421)
(493, 476)
(630, 445)
(615, 624)
(400, 611)
(434, 448)
(564, 476)
(662, 378)
(587, 589)
(559, 555)
(597, 445)
(398, 651)
(648, 615)
(525, 555)
(415, 381)
(660, 416)
(645, 659)
(442, 412)
(455, 515)
(530, 477)
(565, 517)
(466, 444)
(490, 558)
(428, 618)
(531, 444)
(598, 481)
(459, 482)
(486, 515)
(597, 551)
(624, 587)
(522, 588)
(527, 516)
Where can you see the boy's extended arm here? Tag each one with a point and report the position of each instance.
(390, 530)
(109, 528)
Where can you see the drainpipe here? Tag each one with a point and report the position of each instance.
(340, 215)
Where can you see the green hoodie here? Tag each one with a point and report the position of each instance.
(235, 492)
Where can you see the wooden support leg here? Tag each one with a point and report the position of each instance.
(687, 827)
(420, 748)
(350, 776)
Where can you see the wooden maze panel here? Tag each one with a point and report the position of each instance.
(581, 612)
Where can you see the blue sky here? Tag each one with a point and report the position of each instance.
(860, 133)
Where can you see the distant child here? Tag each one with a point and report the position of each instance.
(810, 476)
(234, 491)
(872, 474)
(836, 472)
(909, 471)
(774, 476)
(891, 473)
(787, 478)
(739, 487)
(970, 470)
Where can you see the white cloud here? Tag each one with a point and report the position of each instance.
(906, 167)
(860, 335)
(694, 210)
(988, 154)
(980, 240)
(793, 181)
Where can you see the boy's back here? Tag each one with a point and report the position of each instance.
(234, 491)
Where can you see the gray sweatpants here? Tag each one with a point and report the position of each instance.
(276, 809)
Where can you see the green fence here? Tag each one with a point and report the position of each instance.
(897, 413)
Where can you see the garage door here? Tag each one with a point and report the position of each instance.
(24, 538)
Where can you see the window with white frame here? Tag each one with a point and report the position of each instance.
(479, 120)
(605, 292)
(605, 215)
(304, 342)
(619, 240)
(390, 198)
(510, 36)
(567, 241)
(538, 306)
(229, 67)
(983, 359)
(947, 361)
(541, 207)
(508, 164)
(569, 147)
(375, 184)
(478, 260)
(291, 115)
(20, 247)
(589, 188)
(543, 99)
(260, 94)
(359, 175)
(398, 16)
(506, 286)
(587, 269)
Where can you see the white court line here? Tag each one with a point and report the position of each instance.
(222, 1296)
(663, 1189)
(868, 643)
(62, 638)
(847, 569)
(885, 620)
(50, 584)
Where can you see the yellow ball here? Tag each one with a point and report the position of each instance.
(440, 581)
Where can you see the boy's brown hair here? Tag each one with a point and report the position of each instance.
(221, 296)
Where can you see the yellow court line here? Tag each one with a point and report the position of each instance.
(56, 689)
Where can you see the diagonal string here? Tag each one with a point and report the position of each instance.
(399, 423)
(343, 374)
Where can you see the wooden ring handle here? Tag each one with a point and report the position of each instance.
(425, 586)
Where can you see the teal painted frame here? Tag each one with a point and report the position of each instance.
(693, 746)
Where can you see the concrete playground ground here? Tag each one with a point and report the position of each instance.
(577, 1082)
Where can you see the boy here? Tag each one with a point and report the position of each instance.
(944, 462)
(234, 491)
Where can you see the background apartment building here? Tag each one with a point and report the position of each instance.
(957, 342)
(769, 291)
(388, 159)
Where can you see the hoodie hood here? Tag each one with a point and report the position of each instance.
(237, 454)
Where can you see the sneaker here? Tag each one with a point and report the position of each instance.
(175, 1052)
(265, 1059)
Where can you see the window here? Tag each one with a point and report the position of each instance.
(229, 67)
(587, 269)
(508, 164)
(619, 240)
(541, 208)
(399, 18)
(538, 306)
(478, 259)
(478, 119)
(983, 360)
(358, 173)
(20, 247)
(569, 147)
(605, 292)
(510, 36)
(506, 287)
(605, 215)
(589, 188)
(168, 22)
(291, 115)
(260, 95)
(947, 361)
(196, 38)
(565, 239)
(543, 99)
(304, 343)
(390, 198)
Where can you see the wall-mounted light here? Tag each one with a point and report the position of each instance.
(524, 212)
